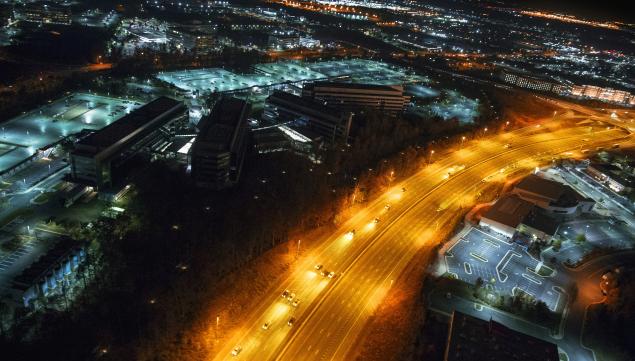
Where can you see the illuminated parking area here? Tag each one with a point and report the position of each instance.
(22, 136)
(272, 74)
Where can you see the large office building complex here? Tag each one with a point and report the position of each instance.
(46, 13)
(348, 96)
(98, 156)
(219, 150)
(332, 124)
(533, 82)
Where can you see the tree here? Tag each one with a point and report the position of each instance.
(580, 238)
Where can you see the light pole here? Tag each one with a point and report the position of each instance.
(484, 131)
(462, 140)
(430, 157)
(298, 253)
(217, 323)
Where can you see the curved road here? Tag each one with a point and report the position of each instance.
(333, 312)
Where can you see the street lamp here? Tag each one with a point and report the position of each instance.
(298, 254)
(430, 158)
(462, 140)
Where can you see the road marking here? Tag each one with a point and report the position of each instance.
(478, 257)
(499, 269)
(468, 268)
(530, 278)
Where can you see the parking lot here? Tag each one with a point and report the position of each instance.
(503, 267)
(22, 136)
(269, 74)
(598, 234)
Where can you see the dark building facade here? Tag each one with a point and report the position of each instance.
(96, 156)
(332, 124)
(219, 150)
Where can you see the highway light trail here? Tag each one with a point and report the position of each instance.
(334, 311)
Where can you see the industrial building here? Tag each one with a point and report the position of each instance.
(219, 150)
(332, 124)
(97, 158)
(470, 338)
(389, 99)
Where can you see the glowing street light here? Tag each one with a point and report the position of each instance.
(430, 157)
(462, 140)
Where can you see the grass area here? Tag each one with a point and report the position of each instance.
(42, 198)
(59, 186)
(4, 185)
(545, 271)
(563, 356)
(13, 215)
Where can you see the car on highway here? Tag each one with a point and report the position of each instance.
(266, 325)
(350, 234)
(403, 189)
(296, 302)
(508, 145)
(376, 220)
(285, 294)
(331, 274)
(387, 207)
(236, 350)
(290, 297)
(291, 321)
(318, 267)
(324, 273)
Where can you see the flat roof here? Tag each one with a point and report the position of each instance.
(471, 338)
(114, 132)
(220, 125)
(509, 210)
(269, 74)
(22, 136)
(541, 222)
(306, 102)
(340, 85)
(538, 185)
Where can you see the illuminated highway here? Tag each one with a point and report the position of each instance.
(333, 312)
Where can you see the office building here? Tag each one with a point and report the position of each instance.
(49, 275)
(98, 158)
(552, 197)
(332, 124)
(532, 81)
(470, 338)
(45, 13)
(219, 150)
(603, 94)
(534, 208)
(354, 97)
